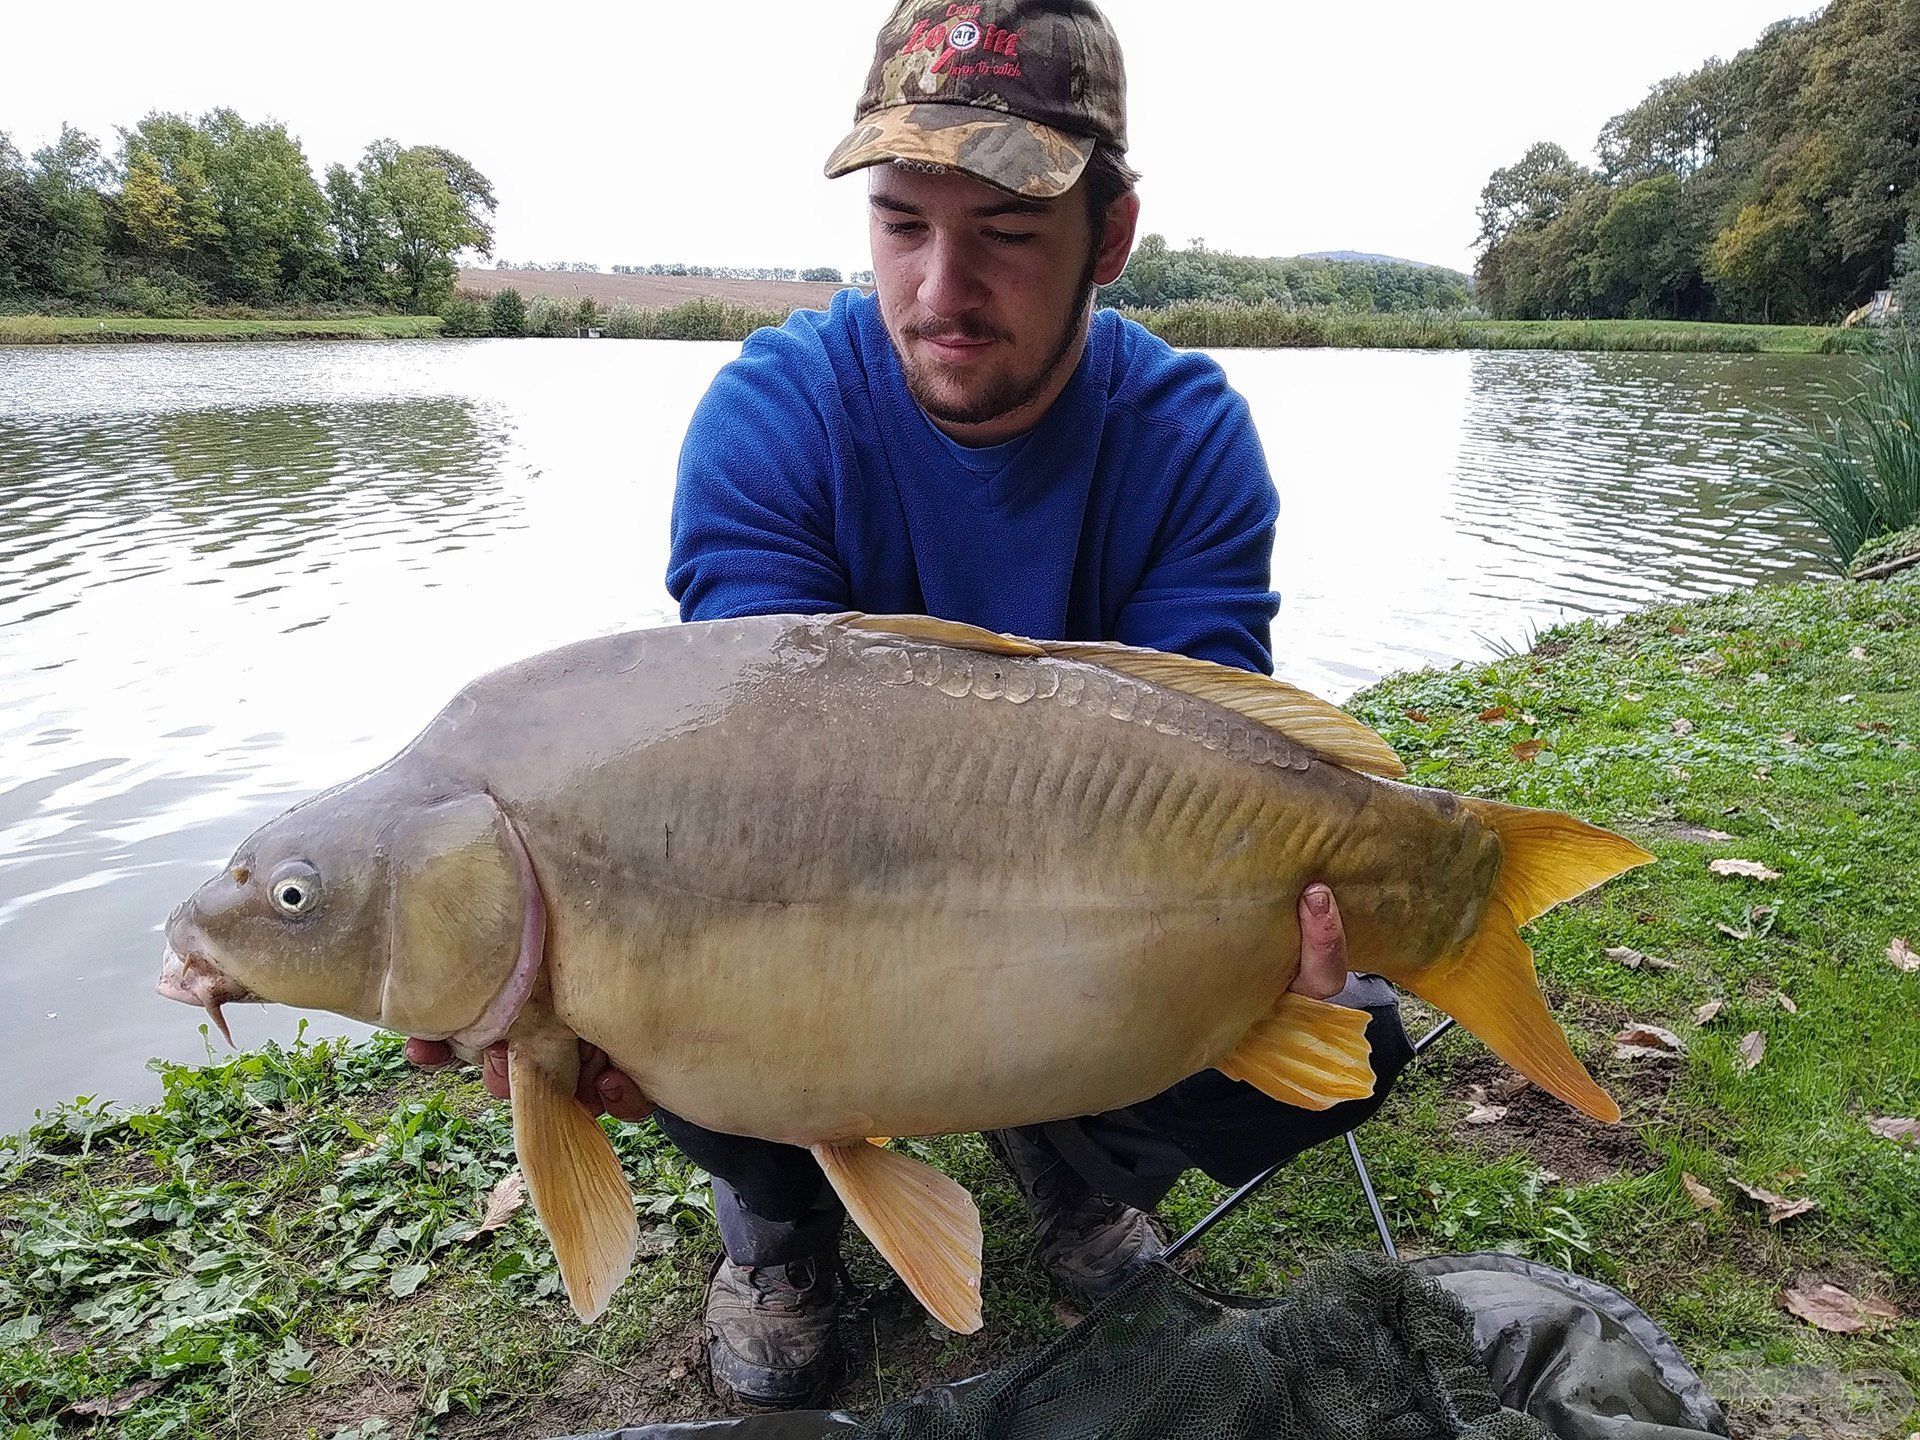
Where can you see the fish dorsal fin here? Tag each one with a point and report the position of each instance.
(1306, 719)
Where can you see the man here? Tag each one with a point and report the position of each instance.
(973, 441)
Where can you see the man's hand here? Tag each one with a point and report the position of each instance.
(1323, 946)
(601, 1086)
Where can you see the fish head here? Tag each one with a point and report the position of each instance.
(406, 905)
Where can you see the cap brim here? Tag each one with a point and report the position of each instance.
(1021, 156)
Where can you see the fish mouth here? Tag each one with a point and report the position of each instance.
(194, 981)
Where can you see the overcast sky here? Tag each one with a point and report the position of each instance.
(643, 131)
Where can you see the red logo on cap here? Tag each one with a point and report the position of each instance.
(958, 34)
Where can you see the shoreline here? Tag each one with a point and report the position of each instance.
(1186, 326)
(330, 1198)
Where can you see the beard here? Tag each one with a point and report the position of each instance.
(931, 383)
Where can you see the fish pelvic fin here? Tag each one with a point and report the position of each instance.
(1305, 1052)
(579, 1190)
(1489, 983)
(924, 1224)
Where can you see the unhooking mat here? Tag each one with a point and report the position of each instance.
(1474, 1347)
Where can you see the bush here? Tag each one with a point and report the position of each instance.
(555, 319)
(1856, 471)
(157, 297)
(463, 316)
(626, 323)
(822, 272)
(27, 330)
(1906, 278)
(507, 314)
(692, 320)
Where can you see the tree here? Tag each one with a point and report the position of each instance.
(507, 315)
(1906, 277)
(1530, 192)
(1642, 259)
(20, 221)
(66, 252)
(168, 210)
(424, 204)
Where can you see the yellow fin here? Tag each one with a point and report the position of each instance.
(1547, 857)
(924, 1224)
(1303, 718)
(1305, 1052)
(579, 1190)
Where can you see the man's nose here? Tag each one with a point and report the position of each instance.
(951, 284)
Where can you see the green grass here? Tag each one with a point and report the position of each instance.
(42, 329)
(284, 1247)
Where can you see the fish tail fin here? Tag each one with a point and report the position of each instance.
(579, 1190)
(922, 1223)
(1489, 984)
(1305, 1052)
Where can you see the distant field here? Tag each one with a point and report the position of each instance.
(653, 292)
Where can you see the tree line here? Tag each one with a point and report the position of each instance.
(1776, 186)
(1158, 276)
(186, 212)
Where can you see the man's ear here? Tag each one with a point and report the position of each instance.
(1116, 244)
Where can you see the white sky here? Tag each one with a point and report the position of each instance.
(643, 131)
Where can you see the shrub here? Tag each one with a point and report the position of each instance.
(822, 272)
(1906, 278)
(462, 316)
(1856, 471)
(162, 297)
(507, 314)
(555, 319)
(693, 320)
(27, 330)
(586, 314)
(626, 323)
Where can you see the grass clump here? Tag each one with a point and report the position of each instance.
(1856, 469)
(1895, 546)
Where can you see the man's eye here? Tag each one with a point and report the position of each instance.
(1011, 237)
(899, 227)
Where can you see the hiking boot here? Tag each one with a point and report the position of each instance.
(1089, 1243)
(771, 1336)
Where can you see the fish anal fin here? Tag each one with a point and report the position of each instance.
(922, 1223)
(579, 1190)
(1305, 1052)
(1489, 986)
(940, 632)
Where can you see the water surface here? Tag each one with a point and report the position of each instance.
(232, 575)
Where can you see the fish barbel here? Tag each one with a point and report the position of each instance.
(823, 878)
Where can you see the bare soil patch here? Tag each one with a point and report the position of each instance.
(1551, 1133)
(653, 292)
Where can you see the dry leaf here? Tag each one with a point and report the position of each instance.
(1699, 833)
(1778, 1206)
(1785, 1002)
(1902, 955)
(1527, 749)
(1418, 717)
(1858, 652)
(1828, 1307)
(1634, 959)
(1647, 1042)
(1736, 932)
(1887, 1128)
(1789, 737)
(1676, 628)
(1683, 726)
(106, 1406)
(1753, 1046)
(1509, 1087)
(1753, 869)
(1702, 1197)
(1479, 1111)
(1496, 712)
(1706, 1013)
(505, 1198)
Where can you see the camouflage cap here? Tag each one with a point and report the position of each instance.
(1012, 92)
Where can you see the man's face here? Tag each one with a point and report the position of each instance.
(984, 294)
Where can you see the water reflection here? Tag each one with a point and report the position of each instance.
(229, 577)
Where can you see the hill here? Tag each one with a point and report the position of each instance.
(1363, 257)
(651, 292)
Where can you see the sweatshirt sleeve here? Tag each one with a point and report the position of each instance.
(1207, 591)
(752, 529)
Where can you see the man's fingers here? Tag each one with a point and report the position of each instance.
(493, 1070)
(428, 1054)
(1323, 946)
(623, 1099)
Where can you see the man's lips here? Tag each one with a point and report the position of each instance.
(956, 348)
(192, 981)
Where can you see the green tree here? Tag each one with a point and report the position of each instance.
(66, 252)
(1530, 192)
(19, 222)
(1643, 255)
(276, 243)
(424, 204)
(508, 313)
(1906, 277)
(168, 211)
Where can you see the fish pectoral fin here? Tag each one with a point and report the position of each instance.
(579, 1190)
(924, 1225)
(1305, 1052)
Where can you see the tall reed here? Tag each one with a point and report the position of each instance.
(1856, 470)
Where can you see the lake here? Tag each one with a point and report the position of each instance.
(231, 575)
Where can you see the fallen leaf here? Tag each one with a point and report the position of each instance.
(1647, 1042)
(1418, 717)
(1479, 1110)
(1753, 1046)
(1706, 1013)
(1828, 1307)
(1906, 1132)
(505, 1198)
(1699, 833)
(1527, 749)
(1858, 652)
(1902, 955)
(106, 1406)
(1676, 628)
(1845, 699)
(1741, 933)
(1785, 1002)
(1753, 869)
(1702, 1197)
(1683, 726)
(1778, 1206)
(1495, 712)
(1633, 959)
(1508, 1088)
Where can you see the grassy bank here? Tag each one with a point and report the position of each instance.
(292, 1244)
(45, 329)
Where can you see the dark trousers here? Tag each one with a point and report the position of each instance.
(774, 1205)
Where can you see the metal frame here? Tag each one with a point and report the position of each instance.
(1233, 1202)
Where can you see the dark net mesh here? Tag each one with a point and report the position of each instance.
(1360, 1348)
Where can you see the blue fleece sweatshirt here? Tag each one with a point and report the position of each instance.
(1139, 509)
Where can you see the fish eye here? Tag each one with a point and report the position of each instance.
(295, 888)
